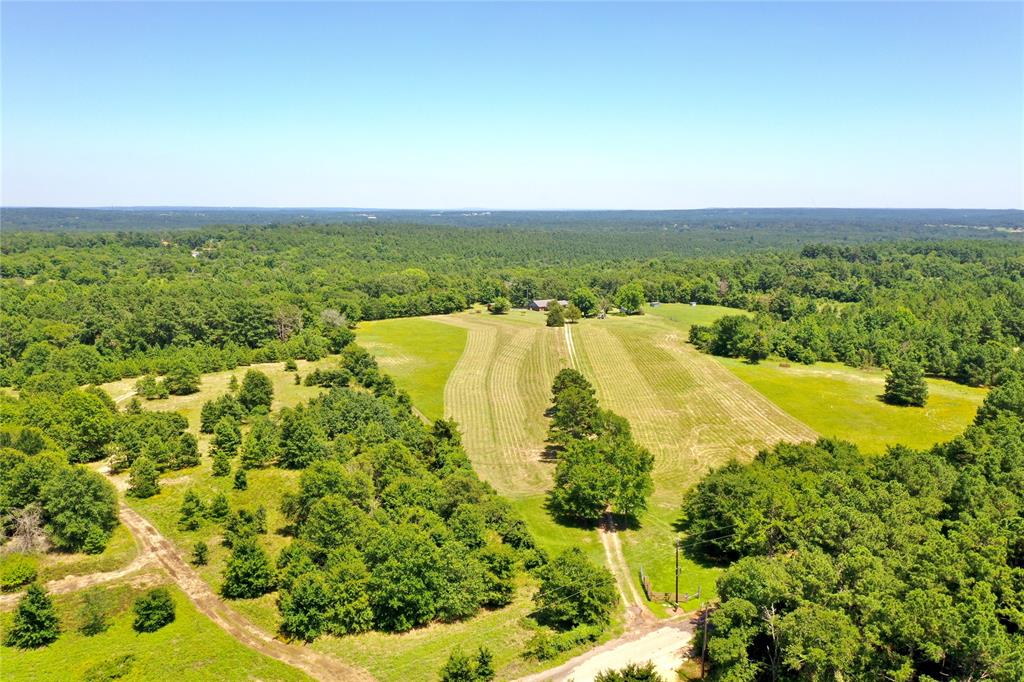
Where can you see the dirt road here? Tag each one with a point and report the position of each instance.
(216, 609)
(664, 643)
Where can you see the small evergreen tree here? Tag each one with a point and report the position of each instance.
(259, 448)
(484, 665)
(200, 554)
(219, 509)
(153, 610)
(248, 573)
(241, 481)
(227, 436)
(190, 516)
(221, 463)
(290, 365)
(187, 452)
(233, 384)
(92, 617)
(143, 481)
(905, 385)
(35, 620)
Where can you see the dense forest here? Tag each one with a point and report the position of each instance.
(87, 307)
(856, 224)
(908, 566)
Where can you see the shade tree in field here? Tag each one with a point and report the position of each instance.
(630, 298)
(257, 391)
(572, 314)
(585, 300)
(574, 591)
(905, 385)
(600, 467)
(500, 305)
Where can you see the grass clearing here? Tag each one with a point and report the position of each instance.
(419, 354)
(118, 553)
(836, 400)
(190, 648)
(286, 392)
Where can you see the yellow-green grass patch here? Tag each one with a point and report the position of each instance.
(215, 384)
(419, 354)
(190, 648)
(119, 552)
(844, 402)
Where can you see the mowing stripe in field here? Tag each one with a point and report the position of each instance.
(498, 393)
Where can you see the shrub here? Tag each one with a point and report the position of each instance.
(16, 570)
(200, 554)
(92, 617)
(110, 669)
(153, 610)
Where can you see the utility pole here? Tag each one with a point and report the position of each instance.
(704, 645)
(677, 576)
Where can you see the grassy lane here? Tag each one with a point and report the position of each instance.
(841, 401)
(190, 648)
(419, 354)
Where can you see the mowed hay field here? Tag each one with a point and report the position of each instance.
(693, 411)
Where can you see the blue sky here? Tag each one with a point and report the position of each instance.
(540, 105)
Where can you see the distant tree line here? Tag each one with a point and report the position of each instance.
(83, 308)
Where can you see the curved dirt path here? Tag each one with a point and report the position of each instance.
(213, 607)
(76, 583)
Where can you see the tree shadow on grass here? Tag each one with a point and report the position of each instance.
(620, 521)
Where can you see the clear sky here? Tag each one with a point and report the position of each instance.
(507, 105)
